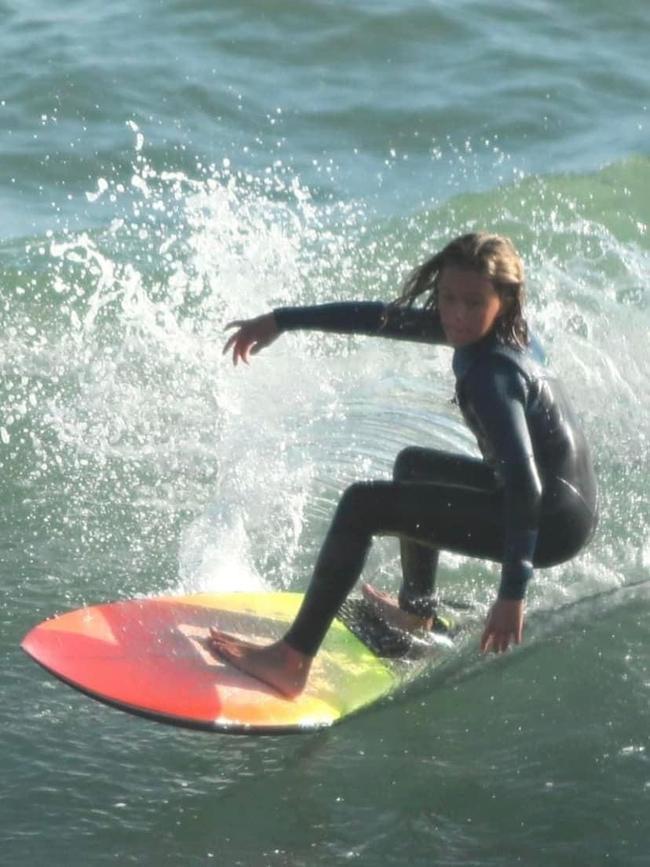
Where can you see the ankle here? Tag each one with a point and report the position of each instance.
(423, 606)
(294, 659)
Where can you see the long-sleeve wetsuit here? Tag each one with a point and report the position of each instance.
(532, 501)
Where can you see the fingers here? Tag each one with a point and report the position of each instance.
(241, 347)
(231, 340)
(242, 343)
(243, 352)
(235, 341)
(503, 627)
(497, 642)
(251, 337)
(519, 632)
(244, 348)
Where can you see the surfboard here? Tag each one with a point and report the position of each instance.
(150, 656)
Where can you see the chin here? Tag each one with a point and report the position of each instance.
(457, 341)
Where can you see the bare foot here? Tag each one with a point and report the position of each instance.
(388, 609)
(277, 665)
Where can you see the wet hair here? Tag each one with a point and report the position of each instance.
(492, 256)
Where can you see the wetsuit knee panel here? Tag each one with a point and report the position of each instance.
(354, 506)
(405, 463)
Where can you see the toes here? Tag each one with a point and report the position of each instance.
(378, 596)
(221, 643)
(223, 651)
(221, 639)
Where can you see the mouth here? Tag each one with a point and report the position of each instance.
(456, 335)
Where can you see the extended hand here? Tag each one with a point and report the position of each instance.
(504, 624)
(252, 336)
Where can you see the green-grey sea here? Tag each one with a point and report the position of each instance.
(171, 165)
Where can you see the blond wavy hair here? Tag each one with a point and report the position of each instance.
(492, 256)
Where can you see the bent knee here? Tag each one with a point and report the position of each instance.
(355, 497)
(406, 463)
(357, 506)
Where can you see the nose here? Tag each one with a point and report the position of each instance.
(457, 313)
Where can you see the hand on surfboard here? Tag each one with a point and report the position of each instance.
(505, 624)
(251, 337)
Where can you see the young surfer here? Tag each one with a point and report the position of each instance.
(531, 501)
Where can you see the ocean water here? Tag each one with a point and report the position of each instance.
(171, 166)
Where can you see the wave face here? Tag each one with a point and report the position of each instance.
(118, 404)
(174, 168)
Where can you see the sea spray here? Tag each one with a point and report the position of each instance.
(118, 405)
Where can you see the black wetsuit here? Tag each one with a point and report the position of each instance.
(532, 501)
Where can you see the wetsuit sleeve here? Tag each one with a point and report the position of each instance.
(498, 393)
(364, 317)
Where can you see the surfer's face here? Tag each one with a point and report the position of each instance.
(468, 305)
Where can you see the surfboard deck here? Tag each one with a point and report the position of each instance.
(150, 657)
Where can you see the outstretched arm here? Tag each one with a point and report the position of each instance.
(371, 318)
